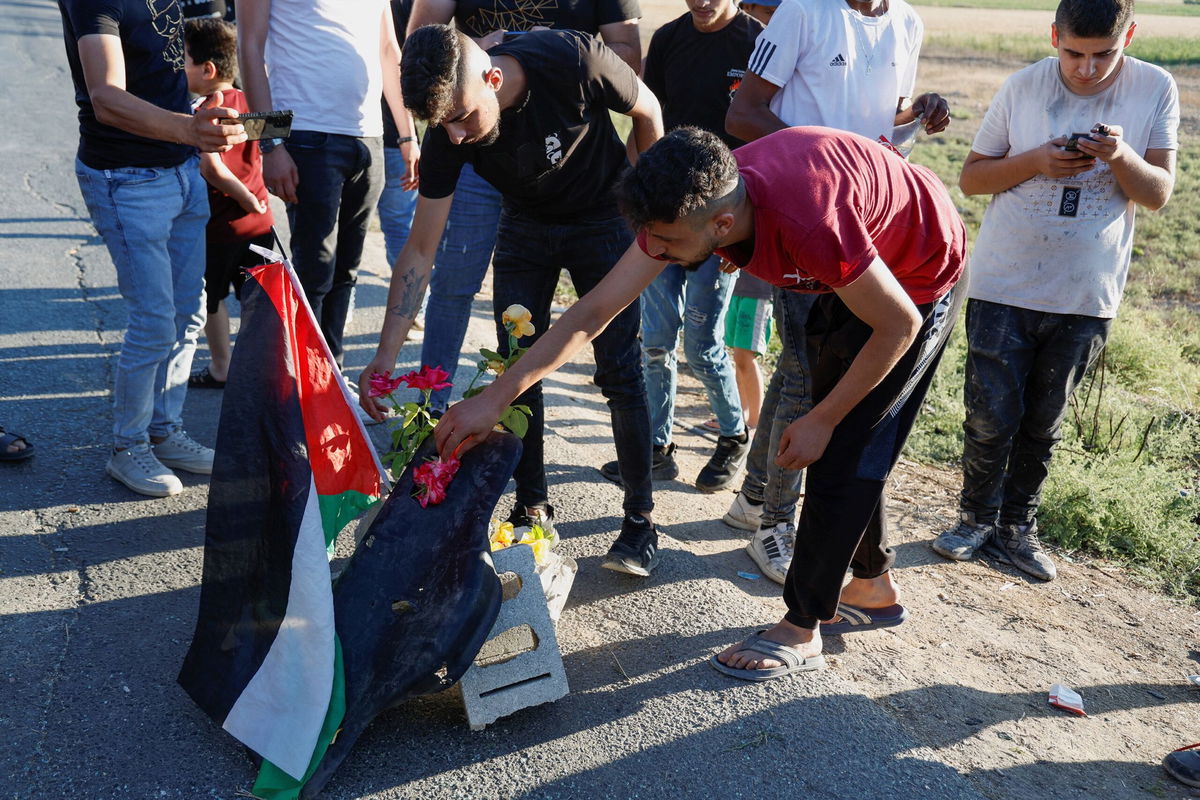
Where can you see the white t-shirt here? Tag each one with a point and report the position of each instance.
(323, 64)
(1063, 245)
(837, 68)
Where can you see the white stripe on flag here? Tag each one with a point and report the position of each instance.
(280, 712)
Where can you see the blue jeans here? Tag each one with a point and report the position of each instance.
(529, 257)
(340, 180)
(152, 222)
(695, 301)
(789, 397)
(1022, 368)
(458, 269)
(396, 205)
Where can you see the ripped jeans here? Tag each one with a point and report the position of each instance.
(696, 301)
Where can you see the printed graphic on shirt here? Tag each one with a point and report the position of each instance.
(840, 61)
(167, 17)
(761, 57)
(521, 17)
(1085, 197)
(735, 84)
(553, 149)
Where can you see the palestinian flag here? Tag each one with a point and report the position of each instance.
(293, 466)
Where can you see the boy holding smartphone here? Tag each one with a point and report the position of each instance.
(1051, 259)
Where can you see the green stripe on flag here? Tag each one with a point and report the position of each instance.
(338, 509)
(275, 784)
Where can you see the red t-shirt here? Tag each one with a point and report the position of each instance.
(228, 221)
(827, 203)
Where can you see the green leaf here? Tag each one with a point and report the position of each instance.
(474, 390)
(490, 355)
(524, 409)
(515, 421)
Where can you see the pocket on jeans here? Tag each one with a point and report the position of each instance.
(132, 176)
(307, 140)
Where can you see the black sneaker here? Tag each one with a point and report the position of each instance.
(528, 516)
(662, 466)
(635, 552)
(1020, 545)
(725, 463)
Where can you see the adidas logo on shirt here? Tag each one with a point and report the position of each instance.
(838, 62)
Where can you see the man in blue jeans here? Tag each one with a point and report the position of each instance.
(328, 63)
(466, 247)
(533, 117)
(140, 178)
(694, 65)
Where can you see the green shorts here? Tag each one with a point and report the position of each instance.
(748, 324)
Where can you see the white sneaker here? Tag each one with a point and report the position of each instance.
(771, 549)
(137, 468)
(180, 451)
(743, 514)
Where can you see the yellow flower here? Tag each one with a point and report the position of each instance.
(503, 536)
(496, 366)
(517, 319)
(541, 548)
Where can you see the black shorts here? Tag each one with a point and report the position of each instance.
(224, 264)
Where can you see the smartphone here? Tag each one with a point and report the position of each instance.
(267, 125)
(1073, 142)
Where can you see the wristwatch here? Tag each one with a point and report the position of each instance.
(267, 145)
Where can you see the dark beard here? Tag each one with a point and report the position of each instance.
(490, 137)
(710, 247)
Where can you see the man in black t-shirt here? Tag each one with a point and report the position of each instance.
(694, 66)
(466, 249)
(140, 178)
(532, 117)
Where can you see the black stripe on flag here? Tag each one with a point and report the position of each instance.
(256, 499)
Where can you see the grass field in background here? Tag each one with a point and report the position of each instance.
(1164, 9)
(1163, 50)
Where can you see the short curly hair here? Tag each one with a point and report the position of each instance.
(215, 40)
(432, 68)
(1093, 19)
(682, 173)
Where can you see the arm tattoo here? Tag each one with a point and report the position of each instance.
(410, 297)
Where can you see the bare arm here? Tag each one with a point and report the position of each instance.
(410, 276)
(647, 121)
(1146, 181)
(104, 73)
(389, 59)
(221, 178)
(582, 322)
(624, 38)
(878, 300)
(750, 116)
(994, 174)
(254, 17)
(431, 12)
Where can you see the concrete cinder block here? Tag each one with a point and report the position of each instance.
(520, 665)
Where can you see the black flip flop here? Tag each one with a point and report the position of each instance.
(204, 380)
(7, 439)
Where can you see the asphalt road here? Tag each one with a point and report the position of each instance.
(99, 587)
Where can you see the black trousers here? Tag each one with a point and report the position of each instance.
(843, 522)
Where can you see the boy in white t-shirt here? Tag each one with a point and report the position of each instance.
(1051, 258)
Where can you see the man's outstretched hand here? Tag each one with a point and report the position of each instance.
(215, 129)
(466, 424)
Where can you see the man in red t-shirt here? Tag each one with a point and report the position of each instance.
(810, 210)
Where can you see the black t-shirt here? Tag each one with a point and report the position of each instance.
(151, 33)
(558, 154)
(481, 17)
(401, 10)
(694, 74)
